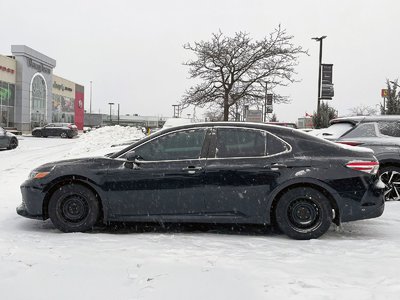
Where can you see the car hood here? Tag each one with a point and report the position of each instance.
(82, 162)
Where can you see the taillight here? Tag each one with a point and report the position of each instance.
(370, 167)
(350, 143)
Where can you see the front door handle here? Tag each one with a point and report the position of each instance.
(275, 166)
(191, 169)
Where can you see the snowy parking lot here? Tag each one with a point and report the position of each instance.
(359, 260)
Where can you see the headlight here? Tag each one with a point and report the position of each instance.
(38, 175)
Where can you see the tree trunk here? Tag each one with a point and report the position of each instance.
(226, 108)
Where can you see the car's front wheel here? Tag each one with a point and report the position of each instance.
(63, 134)
(303, 213)
(13, 144)
(390, 176)
(74, 208)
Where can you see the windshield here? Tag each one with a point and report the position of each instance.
(334, 131)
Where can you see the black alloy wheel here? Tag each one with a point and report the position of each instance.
(390, 176)
(74, 208)
(303, 213)
(13, 144)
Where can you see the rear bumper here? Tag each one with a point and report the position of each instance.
(371, 205)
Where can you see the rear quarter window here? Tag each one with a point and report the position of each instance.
(363, 130)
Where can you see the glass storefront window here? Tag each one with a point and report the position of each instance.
(7, 96)
(38, 101)
(63, 109)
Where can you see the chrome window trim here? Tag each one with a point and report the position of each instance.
(211, 158)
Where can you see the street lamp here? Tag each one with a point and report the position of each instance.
(111, 104)
(319, 39)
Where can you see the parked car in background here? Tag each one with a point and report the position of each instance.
(7, 139)
(64, 130)
(379, 133)
(218, 172)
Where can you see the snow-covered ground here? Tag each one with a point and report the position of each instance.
(360, 260)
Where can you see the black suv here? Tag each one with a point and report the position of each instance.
(379, 133)
(64, 130)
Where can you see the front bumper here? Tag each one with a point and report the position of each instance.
(23, 211)
(32, 202)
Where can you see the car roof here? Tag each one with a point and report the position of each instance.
(229, 124)
(360, 119)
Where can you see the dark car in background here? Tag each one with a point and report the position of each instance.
(212, 173)
(64, 130)
(7, 139)
(379, 133)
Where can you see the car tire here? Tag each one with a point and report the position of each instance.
(74, 208)
(37, 133)
(63, 135)
(303, 213)
(13, 144)
(390, 176)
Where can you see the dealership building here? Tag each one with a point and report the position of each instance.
(31, 95)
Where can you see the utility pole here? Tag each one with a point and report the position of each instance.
(265, 102)
(90, 106)
(176, 110)
(319, 39)
(111, 104)
(118, 113)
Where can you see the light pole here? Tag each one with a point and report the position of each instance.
(90, 103)
(319, 39)
(111, 104)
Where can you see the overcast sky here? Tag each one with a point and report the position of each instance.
(132, 50)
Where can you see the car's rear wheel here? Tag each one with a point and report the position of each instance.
(303, 213)
(74, 208)
(13, 144)
(390, 176)
(63, 135)
(37, 133)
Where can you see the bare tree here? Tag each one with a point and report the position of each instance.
(363, 110)
(236, 69)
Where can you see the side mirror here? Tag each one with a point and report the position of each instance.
(132, 156)
(132, 160)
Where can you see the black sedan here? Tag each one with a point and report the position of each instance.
(7, 139)
(64, 130)
(212, 173)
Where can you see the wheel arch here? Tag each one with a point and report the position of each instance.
(389, 162)
(71, 179)
(330, 194)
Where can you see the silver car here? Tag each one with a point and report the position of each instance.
(379, 133)
(7, 139)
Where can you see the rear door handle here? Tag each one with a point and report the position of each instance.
(191, 169)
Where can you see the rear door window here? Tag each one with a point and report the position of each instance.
(240, 142)
(237, 142)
